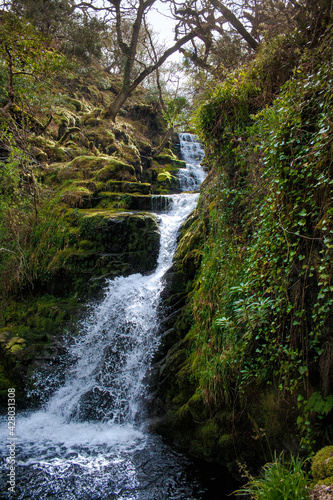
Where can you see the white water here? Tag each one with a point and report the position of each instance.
(192, 153)
(89, 441)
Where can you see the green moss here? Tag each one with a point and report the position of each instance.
(130, 154)
(210, 432)
(169, 160)
(328, 481)
(128, 187)
(32, 321)
(126, 201)
(93, 163)
(93, 186)
(76, 196)
(86, 245)
(51, 149)
(102, 137)
(97, 168)
(63, 117)
(15, 344)
(322, 464)
(184, 414)
(166, 181)
(92, 122)
(225, 440)
(205, 443)
(164, 176)
(104, 212)
(77, 104)
(115, 169)
(10, 342)
(197, 408)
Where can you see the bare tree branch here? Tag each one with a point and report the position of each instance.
(235, 22)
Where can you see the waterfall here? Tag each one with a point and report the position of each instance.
(88, 441)
(118, 339)
(191, 149)
(192, 153)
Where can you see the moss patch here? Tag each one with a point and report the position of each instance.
(166, 182)
(76, 196)
(322, 465)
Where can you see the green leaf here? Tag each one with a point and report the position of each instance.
(303, 369)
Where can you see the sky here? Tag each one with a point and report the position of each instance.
(159, 17)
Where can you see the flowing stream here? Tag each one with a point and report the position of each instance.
(90, 441)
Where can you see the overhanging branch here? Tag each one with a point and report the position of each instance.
(235, 22)
(162, 59)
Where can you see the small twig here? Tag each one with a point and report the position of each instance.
(6, 250)
(301, 235)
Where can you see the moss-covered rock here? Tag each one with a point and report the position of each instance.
(31, 343)
(117, 170)
(130, 154)
(10, 341)
(100, 168)
(168, 158)
(128, 187)
(125, 201)
(93, 186)
(92, 122)
(76, 196)
(78, 105)
(110, 244)
(53, 151)
(166, 182)
(322, 465)
(101, 136)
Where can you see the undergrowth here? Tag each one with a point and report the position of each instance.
(279, 480)
(263, 299)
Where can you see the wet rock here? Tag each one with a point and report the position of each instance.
(136, 237)
(322, 492)
(96, 404)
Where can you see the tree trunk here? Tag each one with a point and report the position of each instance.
(128, 88)
(114, 108)
(163, 143)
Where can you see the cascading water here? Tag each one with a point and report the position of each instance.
(192, 153)
(89, 441)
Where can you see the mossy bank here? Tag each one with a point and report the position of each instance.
(246, 363)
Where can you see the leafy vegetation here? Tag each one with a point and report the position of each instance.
(255, 366)
(275, 188)
(279, 480)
